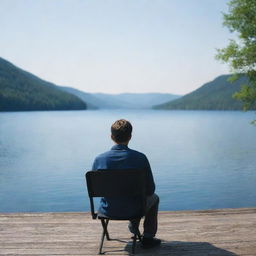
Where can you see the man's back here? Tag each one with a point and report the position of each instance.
(121, 157)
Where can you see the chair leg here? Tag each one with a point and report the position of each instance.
(134, 240)
(139, 236)
(104, 233)
(134, 243)
(104, 224)
(101, 243)
(107, 234)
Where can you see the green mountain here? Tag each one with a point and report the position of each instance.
(215, 95)
(22, 91)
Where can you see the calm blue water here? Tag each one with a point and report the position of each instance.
(200, 159)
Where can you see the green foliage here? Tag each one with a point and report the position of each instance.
(215, 95)
(21, 91)
(240, 54)
(248, 95)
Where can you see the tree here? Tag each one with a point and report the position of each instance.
(240, 54)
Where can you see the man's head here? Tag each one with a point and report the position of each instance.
(121, 131)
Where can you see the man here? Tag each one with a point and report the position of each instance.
(122, 157)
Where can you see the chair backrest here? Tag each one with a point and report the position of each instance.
(115, 183)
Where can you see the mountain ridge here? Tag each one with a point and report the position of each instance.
(121, 100)
(213, 95)
(20, 90)
(23, 91)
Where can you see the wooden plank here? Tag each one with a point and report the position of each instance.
(212, 232)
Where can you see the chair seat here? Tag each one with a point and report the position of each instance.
(103, 216)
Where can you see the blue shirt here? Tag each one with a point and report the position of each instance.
(122, 157)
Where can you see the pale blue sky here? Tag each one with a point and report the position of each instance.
(116, 46)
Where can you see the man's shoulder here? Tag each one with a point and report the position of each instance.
(137, 153)
(128, 153)
(103, 155)
(100, 161)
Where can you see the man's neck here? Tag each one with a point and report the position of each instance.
(123, 143)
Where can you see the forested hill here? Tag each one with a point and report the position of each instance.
(21, 91)
(215, 95)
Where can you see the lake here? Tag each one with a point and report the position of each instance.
(200, 159)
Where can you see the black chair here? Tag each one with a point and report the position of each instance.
(116, 183)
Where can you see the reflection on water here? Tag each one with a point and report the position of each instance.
(200, 159)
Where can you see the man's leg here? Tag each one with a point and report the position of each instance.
(150, 222)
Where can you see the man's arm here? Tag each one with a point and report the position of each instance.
(150, 184)
(95, 165)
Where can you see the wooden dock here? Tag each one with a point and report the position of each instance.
(226, 232)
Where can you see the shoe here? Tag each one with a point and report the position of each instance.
(150, 242)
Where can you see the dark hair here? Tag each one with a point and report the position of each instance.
(121, 131)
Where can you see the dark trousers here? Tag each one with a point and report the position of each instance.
(150, 220)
